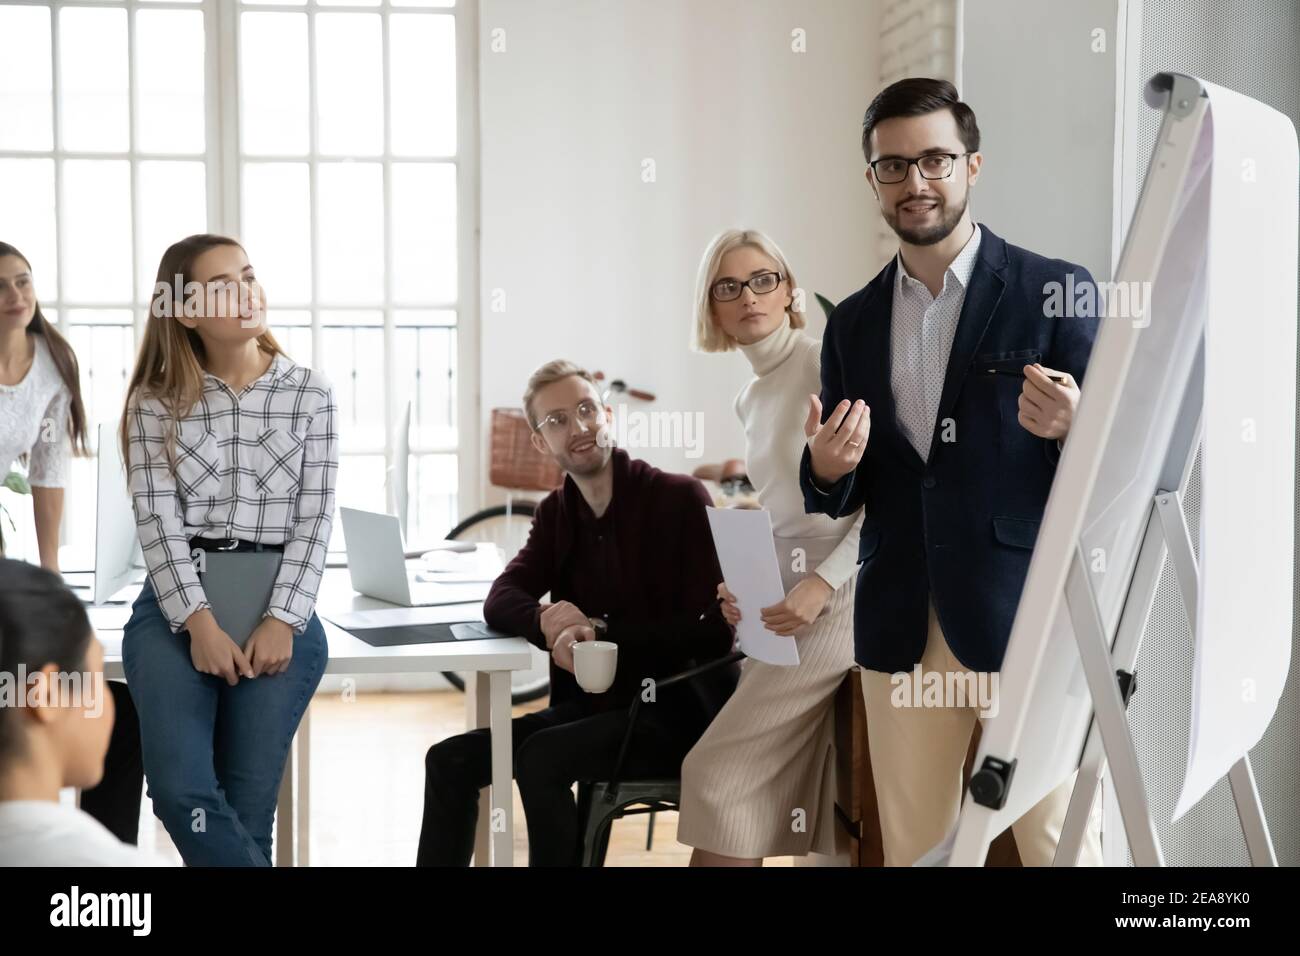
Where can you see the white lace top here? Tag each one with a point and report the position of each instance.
(34, 419)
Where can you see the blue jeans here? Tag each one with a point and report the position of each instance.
(214, 754)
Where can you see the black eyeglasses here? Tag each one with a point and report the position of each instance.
(725, 290)
(893, 169)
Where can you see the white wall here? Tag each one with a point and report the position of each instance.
(1046, 107)
(598, 266)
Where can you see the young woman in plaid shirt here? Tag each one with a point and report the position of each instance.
(229, 446)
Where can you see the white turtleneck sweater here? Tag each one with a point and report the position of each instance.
(773, 407)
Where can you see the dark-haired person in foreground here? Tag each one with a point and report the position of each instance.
(58, 735)
(624, 549)
(947, 388)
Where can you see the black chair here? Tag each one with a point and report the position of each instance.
(600, 803)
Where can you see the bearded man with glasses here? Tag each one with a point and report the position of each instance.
(948, 387)
(625, 553)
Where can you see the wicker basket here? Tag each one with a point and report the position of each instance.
(515, 463)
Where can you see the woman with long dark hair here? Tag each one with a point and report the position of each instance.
(42, 421)
(42, 418)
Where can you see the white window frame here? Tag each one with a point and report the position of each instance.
(225, 191)
(60, 306)
(132, 155)
(222, 159)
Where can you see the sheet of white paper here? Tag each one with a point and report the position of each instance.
(446, 545)
(453, 577)
(404, 616)
(1244, 619)
(747, 554)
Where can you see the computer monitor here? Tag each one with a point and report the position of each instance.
(398, 473)
(118, 560)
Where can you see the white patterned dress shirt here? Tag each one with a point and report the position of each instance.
(922, 328)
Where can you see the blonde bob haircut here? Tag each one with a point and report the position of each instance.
(708, 337)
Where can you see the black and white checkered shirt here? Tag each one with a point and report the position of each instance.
(257, 466)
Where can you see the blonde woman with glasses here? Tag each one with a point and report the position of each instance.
(761, 780)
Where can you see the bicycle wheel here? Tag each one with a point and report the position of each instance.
(507, 527)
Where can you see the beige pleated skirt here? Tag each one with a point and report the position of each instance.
(761, 780)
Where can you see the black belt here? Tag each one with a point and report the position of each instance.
(231, 544)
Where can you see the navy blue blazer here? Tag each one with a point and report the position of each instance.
(961, 526)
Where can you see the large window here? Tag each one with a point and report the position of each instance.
(326, 135)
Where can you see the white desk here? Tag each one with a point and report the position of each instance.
(487, 705)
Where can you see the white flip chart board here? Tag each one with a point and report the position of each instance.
(1243, 634)
(1211, 255)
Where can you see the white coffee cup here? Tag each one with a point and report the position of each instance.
(594, 664)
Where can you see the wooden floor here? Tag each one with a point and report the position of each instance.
(367, 786)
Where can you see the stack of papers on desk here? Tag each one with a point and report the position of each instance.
(482, 564)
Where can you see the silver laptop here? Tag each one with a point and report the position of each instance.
(377, 564)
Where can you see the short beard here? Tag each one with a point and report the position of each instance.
(936, 233)
(569, 466)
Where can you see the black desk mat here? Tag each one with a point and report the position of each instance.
(414, 634)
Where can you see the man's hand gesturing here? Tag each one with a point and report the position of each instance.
(837, 445)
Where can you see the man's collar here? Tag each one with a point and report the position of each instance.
(620, 462)
(961, 266)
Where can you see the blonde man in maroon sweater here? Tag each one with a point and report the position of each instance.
(622, 549)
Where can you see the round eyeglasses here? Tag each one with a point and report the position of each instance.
(557, 422)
